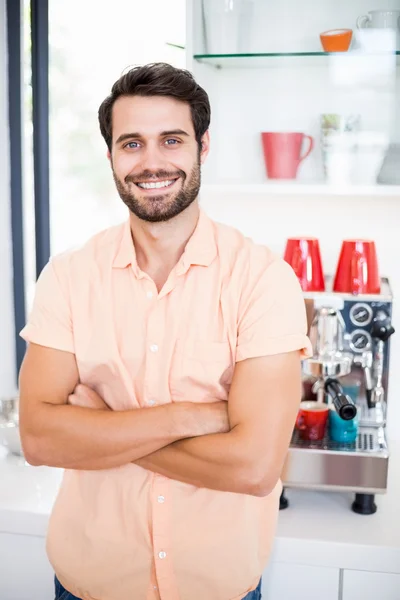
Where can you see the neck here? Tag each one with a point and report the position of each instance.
(159, 246)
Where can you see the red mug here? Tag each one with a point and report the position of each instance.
(357, 271)
(304, 256)
(282, 153)
(312, 419)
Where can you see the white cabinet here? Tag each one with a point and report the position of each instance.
(369, 586)
(25, 572)
(283, 581)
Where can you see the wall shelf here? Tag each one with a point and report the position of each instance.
(268, 59)
(286, 188)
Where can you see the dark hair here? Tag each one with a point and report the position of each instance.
(158, 79)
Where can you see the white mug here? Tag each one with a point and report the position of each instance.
(380, 19)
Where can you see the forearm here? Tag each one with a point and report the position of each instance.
(74, 437)
(250, 458)
(218, 462)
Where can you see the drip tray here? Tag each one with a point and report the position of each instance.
(325, 465)
(369, 440)
(371, 417)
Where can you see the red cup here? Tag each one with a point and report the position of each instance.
(312, 419)
(304, 256)
(282, 153)
(357, 270)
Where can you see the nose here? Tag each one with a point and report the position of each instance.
(153, 158)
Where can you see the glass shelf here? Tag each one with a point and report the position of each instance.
(267, 58)
(298, 188)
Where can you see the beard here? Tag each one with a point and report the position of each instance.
(167, 205)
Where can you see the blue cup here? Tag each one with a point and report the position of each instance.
(352, 390)
(343, 432)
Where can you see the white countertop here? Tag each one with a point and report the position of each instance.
(318, 528)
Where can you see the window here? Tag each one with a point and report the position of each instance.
(90, 45)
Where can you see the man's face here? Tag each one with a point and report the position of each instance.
(155, 157)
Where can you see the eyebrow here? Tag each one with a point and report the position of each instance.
(127, 136)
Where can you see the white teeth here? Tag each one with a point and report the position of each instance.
(156, 184)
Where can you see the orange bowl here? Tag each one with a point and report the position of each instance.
(336, 40)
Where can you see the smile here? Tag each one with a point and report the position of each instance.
(154, 185)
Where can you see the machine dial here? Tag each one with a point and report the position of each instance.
(361, 314)
(360, 340)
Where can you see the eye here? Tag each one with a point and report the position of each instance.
(172, 142)
(132, 145)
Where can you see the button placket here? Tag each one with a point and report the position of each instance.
(154, 336)
(161, 494)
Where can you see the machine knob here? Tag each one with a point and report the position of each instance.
(382, 328)
(382, 332)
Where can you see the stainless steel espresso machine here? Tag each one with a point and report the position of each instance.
(351, 342)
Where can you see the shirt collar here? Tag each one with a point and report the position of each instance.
(125, 254)
(201, 248)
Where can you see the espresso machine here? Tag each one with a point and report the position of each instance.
(350, 336)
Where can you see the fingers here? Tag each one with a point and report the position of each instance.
(77, 400)
(84, 390)
(86, 397)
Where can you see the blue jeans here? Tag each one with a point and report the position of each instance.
(62, 594)
(255, 594)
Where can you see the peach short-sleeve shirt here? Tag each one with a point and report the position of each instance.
(127, 533)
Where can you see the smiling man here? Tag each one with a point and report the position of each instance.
(162, 373)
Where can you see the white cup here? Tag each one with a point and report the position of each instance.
(371, 151)
(381, 19)
(355, 158)
(228, 26)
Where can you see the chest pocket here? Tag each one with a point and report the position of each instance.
(201, 370)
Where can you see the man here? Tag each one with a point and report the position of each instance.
(163, 373)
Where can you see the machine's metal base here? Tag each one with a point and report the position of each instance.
(360, 467)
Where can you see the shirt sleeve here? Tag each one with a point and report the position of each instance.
(50, 323)
(273, 315)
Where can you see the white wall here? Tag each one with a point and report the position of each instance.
(289, 95)
(7, 344)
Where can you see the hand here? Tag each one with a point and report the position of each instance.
(86, 397)
(214, 418)
(210, 417)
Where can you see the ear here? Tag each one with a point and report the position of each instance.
(205, 146)
(109, 155)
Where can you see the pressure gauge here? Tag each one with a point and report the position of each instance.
(360, 340)
(361, 314)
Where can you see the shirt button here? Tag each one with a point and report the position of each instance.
(161, 499)
(162, 554)
(149, 294)
(151, 402)
(154, 348)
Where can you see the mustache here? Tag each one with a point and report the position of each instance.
(148, 176)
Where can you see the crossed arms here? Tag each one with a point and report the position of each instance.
(237, 446)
